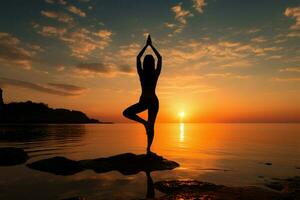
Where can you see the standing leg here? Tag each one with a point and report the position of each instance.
(152, 113)
(131, 112)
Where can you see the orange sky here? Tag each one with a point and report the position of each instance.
(221, 63)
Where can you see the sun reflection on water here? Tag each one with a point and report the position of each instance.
(181, 132)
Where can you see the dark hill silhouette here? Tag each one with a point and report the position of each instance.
(30, 112)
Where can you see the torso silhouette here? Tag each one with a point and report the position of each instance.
(148, 81)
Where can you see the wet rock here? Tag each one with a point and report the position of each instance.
(127, 164)
(184, 186)
(57, 165)
(191, 189)
(289, 185)
(268, 163)
(12, 156)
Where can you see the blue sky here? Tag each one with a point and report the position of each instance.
(80, 54)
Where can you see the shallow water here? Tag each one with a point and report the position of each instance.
(231, 154)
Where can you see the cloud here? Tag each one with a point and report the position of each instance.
(294, 13)
(278, 41)
(199, 5)
(181, 14)
(95, 67)
(52, 31)
(218, 54)
(105, 34)
(259, 39)
(253, 30)
(180, 84)
(64, 90)
(103, 69)
(170, 25)
(59, 16)
(82, 42)
(288, 79)
(293, 34)
(227, 75)
(120, 62)
(60, 68)
(274, 57)
(68, 87)
(13, 52)
(126, 68)
(290, 69)
(76, 11)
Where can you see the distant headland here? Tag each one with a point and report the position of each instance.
(30, 112)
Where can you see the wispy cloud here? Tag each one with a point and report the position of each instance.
(82, 42)
(180, 13)
(290, 69)
(199, 5)
(294, 12)
(75, 10)
(259, 39)
(293, 34)
(68, 87)
(286, 79)
(99, 67)
(253, 30)
(52, 88)
(223, 54)
(52, 31)
(227, 75)
(60, 16)
(181, 16)
(13, 52)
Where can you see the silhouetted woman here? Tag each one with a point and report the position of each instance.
(148, 77)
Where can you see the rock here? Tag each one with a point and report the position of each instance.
(12, 156)
(180, 186)
(57, 165)
(289, 185)
(275, 185)
(127, 164)
(268, 163)
(191, 189)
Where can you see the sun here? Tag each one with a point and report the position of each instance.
(181, 114)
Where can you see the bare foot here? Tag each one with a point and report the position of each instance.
(150, 153)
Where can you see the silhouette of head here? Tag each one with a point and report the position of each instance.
(149, 63)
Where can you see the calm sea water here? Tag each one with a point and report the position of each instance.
(231, 154)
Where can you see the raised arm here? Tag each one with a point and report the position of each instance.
(138, 60)
(159, 59)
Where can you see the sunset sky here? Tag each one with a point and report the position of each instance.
(223, 60)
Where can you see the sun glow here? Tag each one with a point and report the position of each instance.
(181, 114)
